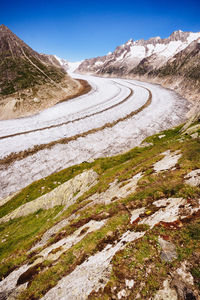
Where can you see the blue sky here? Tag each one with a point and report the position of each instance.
(76, 29)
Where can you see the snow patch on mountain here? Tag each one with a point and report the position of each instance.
(70, 67)
(128, 55)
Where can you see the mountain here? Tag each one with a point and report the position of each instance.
(21, 66)
(185, 63)
(156, 51)
(29, 81)
(65, 64)
(158, 60)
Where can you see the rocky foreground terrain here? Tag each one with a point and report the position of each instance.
(122, 227)
(173, 62)
(31, 82)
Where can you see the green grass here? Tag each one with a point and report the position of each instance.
(196, 274)
(19, 235)
(22, 74)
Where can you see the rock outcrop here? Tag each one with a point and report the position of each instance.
(65, 194)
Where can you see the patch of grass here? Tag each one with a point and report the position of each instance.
(18, 235)
(196, 274)
(18, 73)
(194, 231)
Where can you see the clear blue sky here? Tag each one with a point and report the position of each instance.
(82, 29)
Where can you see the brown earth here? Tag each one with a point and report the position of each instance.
(31, 101)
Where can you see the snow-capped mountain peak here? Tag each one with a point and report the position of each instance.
(128, 55)
(70, 67)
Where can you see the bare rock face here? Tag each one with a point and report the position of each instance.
(167, 293)
(65, 194)
(168, 250)
(193, 178)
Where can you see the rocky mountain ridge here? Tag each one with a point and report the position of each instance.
(18, 61)
(132, 52)
(164, 61)
(30, 81)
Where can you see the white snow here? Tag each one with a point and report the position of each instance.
(172, 48)
(166, 110)
(98, 63)
(137, 51)
(164, 50)
(121, 56)
(21, 142)
(150, 50)
(59, 59)
(72, 66)
(193, 36)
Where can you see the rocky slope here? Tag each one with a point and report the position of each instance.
(173, 62)
(29, 81)
(124, 227)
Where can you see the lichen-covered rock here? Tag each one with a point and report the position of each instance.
(167, 293)
(171, 209)
(168, 252)
(192, 129)
(184, 283)
(193, 178)
(168, 162)
(194, 135)
(92, 274)
(65, 194)
(116, 190)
